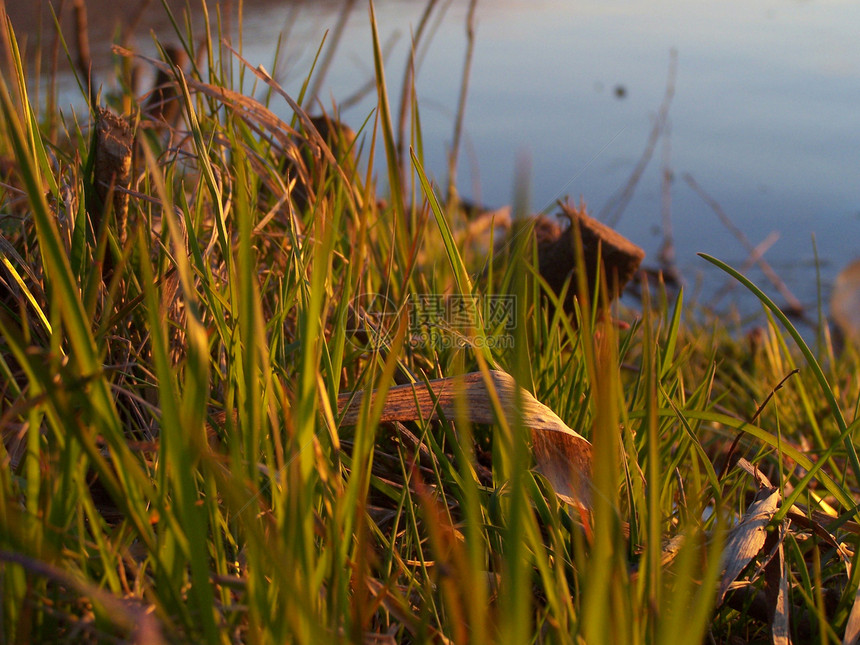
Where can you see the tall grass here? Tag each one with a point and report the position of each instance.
(174, 466)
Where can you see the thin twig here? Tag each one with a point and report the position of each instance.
(324, 65)
(793, 304)
(408, 87)
(82, 42)
(667, 249)
(760, 249)
(461, 104)
(616, 205)
(733, 448)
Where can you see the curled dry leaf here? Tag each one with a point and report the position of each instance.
(799, 514)
(562, 455)
(747, 538)
(776, 590)
(852, 629)
(749, 532)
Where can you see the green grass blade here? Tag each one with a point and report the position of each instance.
(826, 390)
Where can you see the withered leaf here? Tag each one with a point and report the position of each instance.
(562, 455)
(747, 538)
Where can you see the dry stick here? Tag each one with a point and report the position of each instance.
(324, 65)
(614, 208)
(461, 104)
(667, 249)
(794, 306)
(759, 251)
(752, 420)
(82, 40)
(406, 90)
(134, 22)
(370, 85)
(52, 87)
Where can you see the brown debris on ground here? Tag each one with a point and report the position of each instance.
(602, 249)
(112, 170)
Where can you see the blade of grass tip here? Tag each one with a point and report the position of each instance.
(31, 121)
(394, 170)
(183, 42)
(7, 250)
(300, 98)
(819, 305)
(407, 93)
(461, 276)
(672, 337)
(417, 136)
(826, 390)
(207, 172)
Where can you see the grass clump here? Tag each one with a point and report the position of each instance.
(175, 466)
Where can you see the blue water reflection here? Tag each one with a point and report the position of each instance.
(765, 114)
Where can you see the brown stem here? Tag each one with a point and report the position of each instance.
(82, 42)
(461, 105)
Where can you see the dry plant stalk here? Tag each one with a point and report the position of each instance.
(112, 173)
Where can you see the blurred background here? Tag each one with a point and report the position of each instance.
(696, 123)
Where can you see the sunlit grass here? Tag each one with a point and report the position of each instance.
(174, 464)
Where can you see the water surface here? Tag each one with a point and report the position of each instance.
(764, 116)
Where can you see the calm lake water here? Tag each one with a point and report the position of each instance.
(765, 116)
